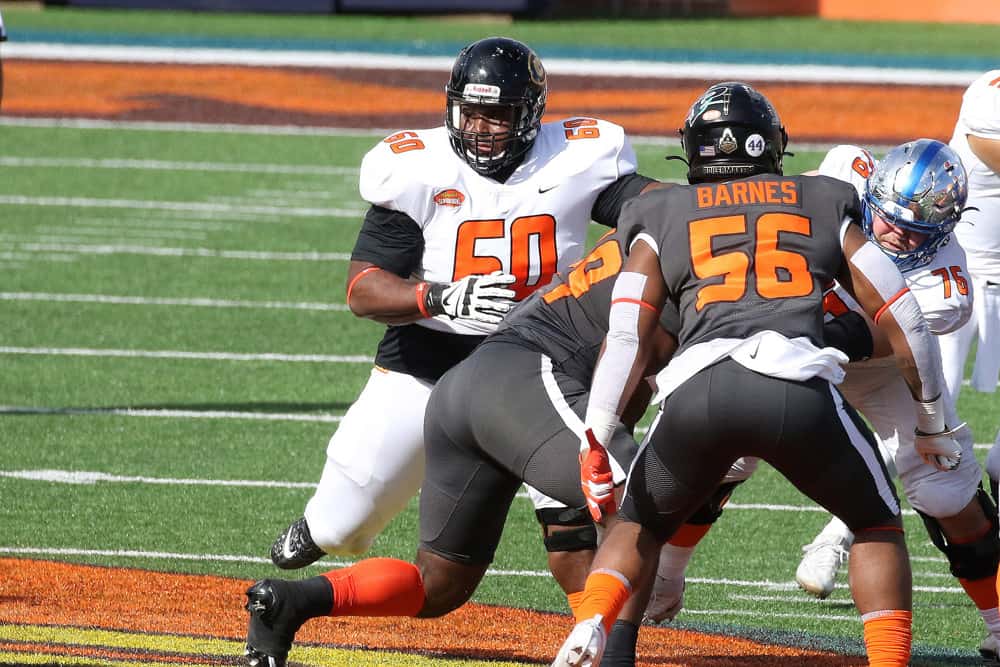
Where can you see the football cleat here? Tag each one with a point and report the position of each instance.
(666, 600)
(989, 649)
(817, 572)
(274, 620)
(295, 548)
(585, 645)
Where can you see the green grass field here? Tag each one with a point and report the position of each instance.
(234, 244)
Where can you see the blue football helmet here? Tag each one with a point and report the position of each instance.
(920, 186)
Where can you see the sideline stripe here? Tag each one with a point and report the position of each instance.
(210, 207)
(168, 301)
(165, 251)
(167, 165)
(88, 477)
(580, 67)
(180, 354)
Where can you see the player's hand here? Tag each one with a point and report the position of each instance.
(596, 478)
(479, 298)
(585, 645)
(940, 450)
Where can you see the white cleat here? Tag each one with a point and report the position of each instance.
(817, 572)
(666, 600)
(584, 646)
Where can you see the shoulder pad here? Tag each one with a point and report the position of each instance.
(851, 164)
(403, 170)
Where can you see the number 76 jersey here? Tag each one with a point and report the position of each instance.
(531, 226)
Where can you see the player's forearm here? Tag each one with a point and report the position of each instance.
(384, 297)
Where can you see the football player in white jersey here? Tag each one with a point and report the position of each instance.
(465, 219)
(977, 141)
(958, 514)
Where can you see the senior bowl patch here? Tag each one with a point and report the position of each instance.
(450, 197)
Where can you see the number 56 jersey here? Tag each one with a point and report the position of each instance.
(531, 226)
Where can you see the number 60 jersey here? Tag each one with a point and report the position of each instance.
(531, 226)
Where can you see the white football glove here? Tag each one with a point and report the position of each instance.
(479, 298)
(584, 646)
(934, 441)
(940, 450)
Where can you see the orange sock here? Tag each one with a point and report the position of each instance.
(574, 600)
(377, 587)
(690, 534)
(606, 593)
(982, 592)
(888, 635)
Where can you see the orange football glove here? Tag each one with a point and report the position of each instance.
(596, 478)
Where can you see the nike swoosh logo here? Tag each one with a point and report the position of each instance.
(285, 550)
(753, 355)
(542, 191)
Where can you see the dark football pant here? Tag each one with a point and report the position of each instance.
(501, 417)
(805, 430)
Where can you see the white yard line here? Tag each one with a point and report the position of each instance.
(163, 413)
(205, 207)
(170, 301)
(182, 354)
(174, 165)
(165, 251)
(789, 586)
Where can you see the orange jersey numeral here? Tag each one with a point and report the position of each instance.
(961, 284)
(402, 142)
(527, 233)
(581, 128)
(604, 261)
(780, 274)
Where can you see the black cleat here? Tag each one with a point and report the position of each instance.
(274, 620)
(295, 548)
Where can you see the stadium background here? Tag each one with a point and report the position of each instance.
(179, 198)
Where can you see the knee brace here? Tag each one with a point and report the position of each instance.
(710, 512)
(969, 560)
(579, 532)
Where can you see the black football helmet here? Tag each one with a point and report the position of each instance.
(732, 131)
(501, 72)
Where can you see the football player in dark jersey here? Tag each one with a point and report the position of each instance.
(745, 263)
(511, 412)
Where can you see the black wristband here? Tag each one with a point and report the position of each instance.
(434, 299)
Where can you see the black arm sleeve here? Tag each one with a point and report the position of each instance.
(850, 334)
(390, 240)
(609, 202)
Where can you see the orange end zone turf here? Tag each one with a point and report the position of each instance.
(68, 595)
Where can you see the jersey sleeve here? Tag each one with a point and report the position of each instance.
(400, 172)
(943, 290)
(980, 111)
(608, 206)
(851, 164)
(390, 240)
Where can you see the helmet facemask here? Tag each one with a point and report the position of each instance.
(505, 80)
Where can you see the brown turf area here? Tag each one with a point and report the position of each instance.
(49, 593)
(820, 112)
